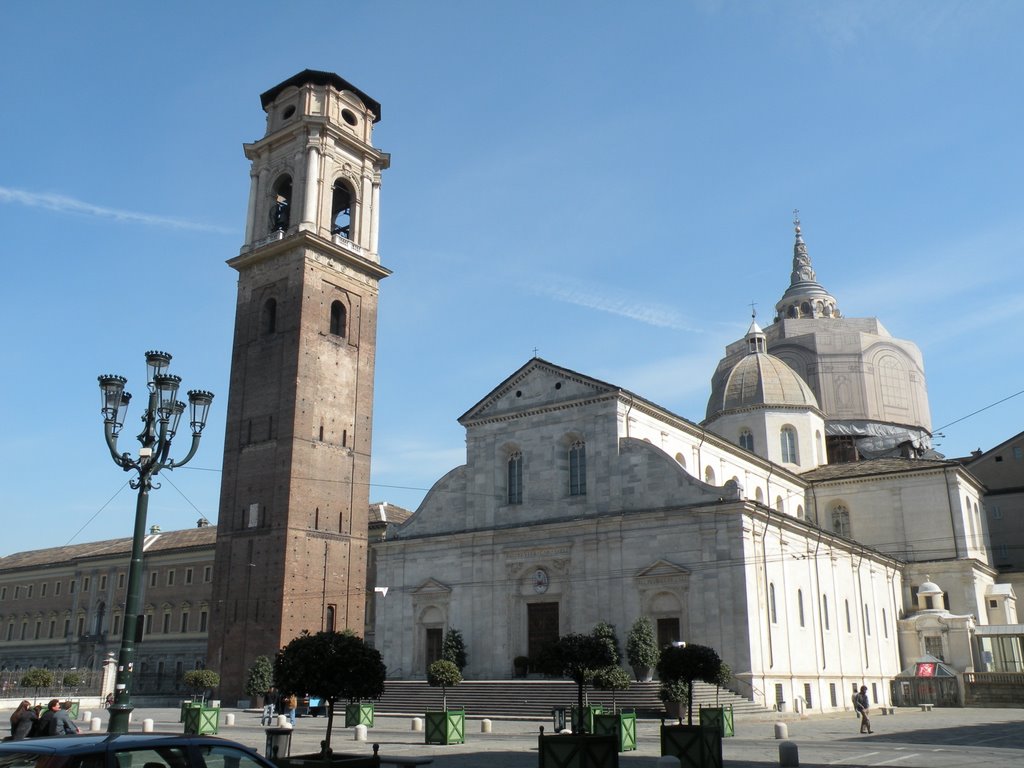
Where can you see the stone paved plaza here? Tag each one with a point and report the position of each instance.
(943, 738)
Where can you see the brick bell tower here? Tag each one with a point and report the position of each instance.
(292, 528)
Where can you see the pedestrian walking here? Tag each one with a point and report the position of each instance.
(861, 704)
(292, 702)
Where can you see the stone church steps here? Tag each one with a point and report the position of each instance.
(534, 699)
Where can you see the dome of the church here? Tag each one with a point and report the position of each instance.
(760, 380)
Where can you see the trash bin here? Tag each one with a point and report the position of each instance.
(279, 742)
(558, 718)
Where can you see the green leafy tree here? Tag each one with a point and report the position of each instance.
(641, 646)
(454, 648)
(443, 674)
(74, 679)
(613, 679)
(260, 677)
(334, 666)
(686, 663)
(201, 681)
(579, 657)
(723, 679)
(606, 632)
(37, 678)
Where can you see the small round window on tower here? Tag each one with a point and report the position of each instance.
(288, 112)
(349, 117)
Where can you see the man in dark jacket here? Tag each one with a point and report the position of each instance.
(55, 721)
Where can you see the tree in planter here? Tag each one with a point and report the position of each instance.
(723, 679)
(334, 666)
(443, 674)
(579, 657)
(453, 648)
(642, 648)
(260, 677)
(201, 681)
(613, 679)
(37, 678)
(674, 695)
(686, 663)
(606, 632)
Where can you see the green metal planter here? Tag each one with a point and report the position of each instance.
(574, 750)
(447, 727)
(622, 726)
(588, 717)
(719, 717)
(358, 713)
(200, 720)
(694, 745)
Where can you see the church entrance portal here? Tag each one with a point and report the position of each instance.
(542, 626)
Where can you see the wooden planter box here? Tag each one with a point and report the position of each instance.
(358, 713)
(588, 717)
(694, 745)
(200, 720)
(574, 750)
(447, 727)
(719, 717)
(621, 726)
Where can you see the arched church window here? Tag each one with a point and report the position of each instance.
(341, 210)
(681, 460)
(800, 606)
(759, 496)
(841, 520)
(280, 205)
(818, 447)
(338, 319)
(800, 511)
(892, 381)
(787, 439)
(772, 613)
(709, 475)
(747, 440)
(824, 611)
(578, 469)
(268, 320)
(515, 478)
(779, 506)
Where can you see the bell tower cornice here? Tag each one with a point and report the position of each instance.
(346, 254)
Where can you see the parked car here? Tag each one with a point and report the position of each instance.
(129, 750)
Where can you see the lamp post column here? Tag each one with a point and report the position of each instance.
(121, 711)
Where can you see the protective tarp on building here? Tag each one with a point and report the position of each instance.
(875, 440)
(927, 681)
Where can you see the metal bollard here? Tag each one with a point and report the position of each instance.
(668, 761)
(417, 723)
(781, 731)
(360, 732)
(229, 719)
(789, 755)
(96, 725)
(485, 726)
(147, 725)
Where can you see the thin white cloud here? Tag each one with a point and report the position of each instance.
(642, 311)
(64, 204)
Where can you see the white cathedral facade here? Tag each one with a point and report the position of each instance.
(792, 530)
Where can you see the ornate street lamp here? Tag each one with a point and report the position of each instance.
(160, 423)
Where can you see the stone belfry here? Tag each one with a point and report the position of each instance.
(292, 528)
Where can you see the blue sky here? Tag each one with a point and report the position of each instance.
(612, 187)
